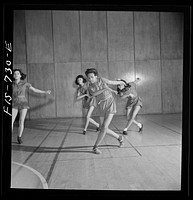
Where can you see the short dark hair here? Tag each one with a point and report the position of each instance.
(80, 76)
(23, 76)
(91, 70)
(122, 80)
(126, 87)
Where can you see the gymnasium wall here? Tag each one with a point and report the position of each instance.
(53, 47)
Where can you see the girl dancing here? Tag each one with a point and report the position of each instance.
(105, 102)
(20, 102)
(87, 101)
(133, 105)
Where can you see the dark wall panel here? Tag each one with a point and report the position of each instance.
(39, 37)
(93, 36)
(147, 37)
(66, 36)
(120, 36)
(41, 76)
(171, 35)
(19, 37)
(172, 73)
(67, 106)
(149, 88)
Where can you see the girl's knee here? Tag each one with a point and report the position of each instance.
(104, 128)
(87, 117)
(21, 121)
(131, 118)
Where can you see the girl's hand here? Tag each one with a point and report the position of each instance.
(48, 92)
(137, 80)
(121, 94)
(87, 95)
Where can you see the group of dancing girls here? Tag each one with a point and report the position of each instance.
(95, 93)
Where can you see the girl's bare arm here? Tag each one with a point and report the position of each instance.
(79, 96)
(40, 91)
(123, 96)
(110, 82)
(98, 92)
(136, 81)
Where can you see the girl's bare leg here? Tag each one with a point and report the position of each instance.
(132, 117)
(101, 120)
(104, 130)
(112, 133)
(137, 123)
(23, 113)
(89, 119)
(14, 114)
(128, 114)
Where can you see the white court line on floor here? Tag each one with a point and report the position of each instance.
(42, 179)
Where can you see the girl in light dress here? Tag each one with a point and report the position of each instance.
(105, 102)
(19, 100)
(133, 105)
(87, 101)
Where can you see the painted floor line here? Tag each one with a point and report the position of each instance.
(42, 179)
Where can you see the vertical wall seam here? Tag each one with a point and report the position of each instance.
(107, 44)
(79, 20)
(134, 44)
(161, 63)
(54, 64)
(134, 65)
(26, 57)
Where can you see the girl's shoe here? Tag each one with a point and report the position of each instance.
(140, 129)
(97, 129)
(121, 140)
(124, 132)
(84, 132)
(96, 150)
(19, 140)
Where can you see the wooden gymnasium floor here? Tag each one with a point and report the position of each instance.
(57, 150)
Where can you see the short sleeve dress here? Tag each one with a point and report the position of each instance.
(105, 101)
(19, 100)
(86, 100)
(133, 98)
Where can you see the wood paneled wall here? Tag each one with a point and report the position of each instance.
(66, 36)
(93, 36)
(39, 37)
(53, 47)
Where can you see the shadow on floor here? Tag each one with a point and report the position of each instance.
(68, 149)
